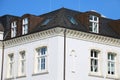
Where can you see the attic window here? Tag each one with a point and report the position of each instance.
(46, 22)
(94, 24)
(72, 20)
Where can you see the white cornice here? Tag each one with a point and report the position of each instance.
(60, 32)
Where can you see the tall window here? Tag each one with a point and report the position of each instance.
(94, 61)
(41, 59)
(10, 65)
(13, 28)
(93, 24)
(25, 26)
(111, 63)
(22, 63)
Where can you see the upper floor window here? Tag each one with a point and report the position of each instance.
(22, 63)
(94, 61)
(25, 26)
(94, 24)
(41, 60)
(13, 29)
(10, 65)
(72, 20)
(111, 63)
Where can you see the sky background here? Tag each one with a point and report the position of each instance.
(108, 8)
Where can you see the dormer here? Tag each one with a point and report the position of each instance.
(91, 20)
(25, 25)
(29, 22)
(14, 26)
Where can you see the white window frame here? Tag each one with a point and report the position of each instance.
(13, 29)
(115, 75)
(94, 27)
(10, 72)
(22, 60)
(39, 57)
(98, 72)
(25, 26)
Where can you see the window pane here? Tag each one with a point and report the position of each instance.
(43, 51)
(109, 56)
(42, 63)
(112, 56)
(91, 17)
(95, 54)
(91, 53)
(95, 18)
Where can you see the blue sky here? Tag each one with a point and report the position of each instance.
(109, 8)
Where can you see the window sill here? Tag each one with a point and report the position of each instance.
(112, 77)
(9, 78)
(21, 76)
(40, 73)
(95, 75)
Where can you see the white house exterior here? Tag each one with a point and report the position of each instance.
(61, 53)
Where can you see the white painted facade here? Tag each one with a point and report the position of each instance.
(78, 47)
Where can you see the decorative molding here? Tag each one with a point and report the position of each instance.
(60, 32)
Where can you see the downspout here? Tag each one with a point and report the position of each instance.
(64, 70)
(2, 60)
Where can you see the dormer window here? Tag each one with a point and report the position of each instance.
(72, 20)
(25, 26)
(13, 29)
(94, 24)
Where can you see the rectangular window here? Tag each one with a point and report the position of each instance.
(25, 26)
(111, 63)
(13, 29)
(94, 61)
(22, 61)
(10, 65)
(94, 24)
(41, 59)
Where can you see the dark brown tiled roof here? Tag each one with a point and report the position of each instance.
(1, 27)
(60, 18)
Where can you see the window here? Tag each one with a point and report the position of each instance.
(72, 20)
(94, 61)
(25, 26)
(22, 62)
(111, 63)
(13, 29)
(93, 24)
(46, 22)
(41, 59)
(10, 65)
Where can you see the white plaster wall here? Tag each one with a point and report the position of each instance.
(54, 59)
(0, 60)
(81, 59)
(75, 70)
